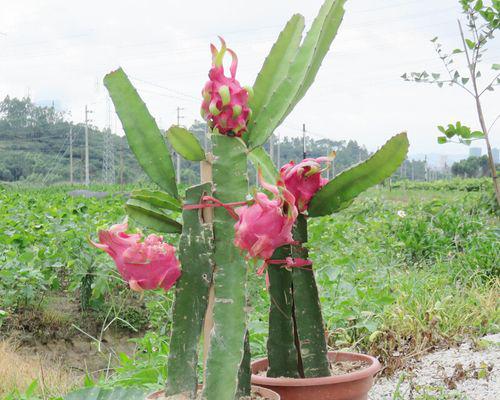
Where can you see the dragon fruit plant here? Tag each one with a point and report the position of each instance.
(220, 229)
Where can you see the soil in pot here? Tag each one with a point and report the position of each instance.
(352, 378)
(258, 393)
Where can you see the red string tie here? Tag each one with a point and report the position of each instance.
(211, 202)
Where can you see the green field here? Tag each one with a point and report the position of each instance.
(401, 272)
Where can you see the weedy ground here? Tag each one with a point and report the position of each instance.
(18, 371)
(401, 273)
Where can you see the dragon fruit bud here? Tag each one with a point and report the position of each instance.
(266, 224)
(145, 265)
(304, 179)
(225, 101)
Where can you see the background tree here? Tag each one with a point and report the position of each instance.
(472, 167)
(482, 21)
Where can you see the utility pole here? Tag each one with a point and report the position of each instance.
(71, 154)
(278, 155)
(121, 163)
(304, 153)
(271, 147)
(426, 172)
(108, 159)
(87, 174)
(178, 157)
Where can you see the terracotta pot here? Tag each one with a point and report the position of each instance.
(352, 386)
(266, 394)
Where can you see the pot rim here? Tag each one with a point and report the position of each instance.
(255, 388)
(364, 373)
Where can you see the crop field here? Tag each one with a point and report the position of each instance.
(401, 273)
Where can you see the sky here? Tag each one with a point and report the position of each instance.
(58, 51)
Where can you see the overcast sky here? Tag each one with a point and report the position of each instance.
(59, 51)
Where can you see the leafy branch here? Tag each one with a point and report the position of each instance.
(482, 23)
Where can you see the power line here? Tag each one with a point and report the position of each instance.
(58, 157)
(165, 88)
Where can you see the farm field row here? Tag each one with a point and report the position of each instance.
(401, 273)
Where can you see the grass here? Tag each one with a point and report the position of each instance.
(18, 371)
(401, 273)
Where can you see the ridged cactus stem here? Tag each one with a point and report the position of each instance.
(309, 321)
(281, 349)
(244, 374)
(228, 334)
(195, 253)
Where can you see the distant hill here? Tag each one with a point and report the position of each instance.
(34, 147)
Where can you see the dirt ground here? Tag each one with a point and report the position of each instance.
(471, 371)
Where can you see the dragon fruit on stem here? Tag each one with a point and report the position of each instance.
(266, 224)
(144, 265)
(225, 101)
(304, 179)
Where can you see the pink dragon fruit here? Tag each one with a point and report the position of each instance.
(144, 265)
(304, 179)
(225, 102)
(266, 224)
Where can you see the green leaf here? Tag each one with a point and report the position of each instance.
(442, 139)
(143, 135)
(107, 394)
(261, 159)
(496, 67)
(347, 185)
(301, 73)
(32, 388)
(157, 198)
(185, 143)
(470, 43)
(433, 40)
(442, 129)
(465, 80)
(328, 32)
(477, 135)
(276, 64)
(152, 217)
(457, 51)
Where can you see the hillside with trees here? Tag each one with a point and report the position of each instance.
(35, 148)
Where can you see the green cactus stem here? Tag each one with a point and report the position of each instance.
(308, 318)
(229, 314)
(281, 350)
(195, 253)
(244, 374)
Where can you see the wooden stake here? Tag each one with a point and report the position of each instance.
(208, 216)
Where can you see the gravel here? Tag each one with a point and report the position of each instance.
(465, 372)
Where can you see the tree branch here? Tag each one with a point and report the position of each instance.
(491, 83)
